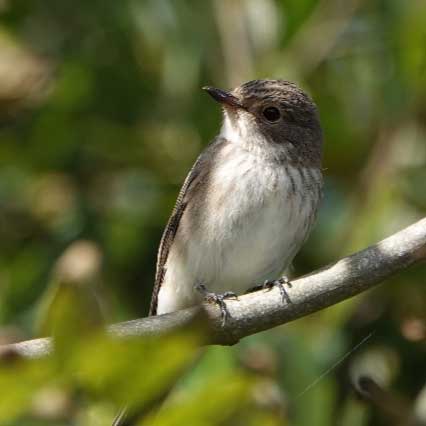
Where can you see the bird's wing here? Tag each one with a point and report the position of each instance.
(197, 176)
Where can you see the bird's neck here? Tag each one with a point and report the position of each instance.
(253, 141)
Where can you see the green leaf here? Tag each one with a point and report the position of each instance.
(215, 403)
(136, 371)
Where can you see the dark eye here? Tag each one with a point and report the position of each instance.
(272, 114)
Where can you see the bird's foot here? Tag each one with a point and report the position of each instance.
(218, 299)
(280, 283)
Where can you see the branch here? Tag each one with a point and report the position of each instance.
(263, 310)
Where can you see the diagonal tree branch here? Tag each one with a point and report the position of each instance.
(263, 310)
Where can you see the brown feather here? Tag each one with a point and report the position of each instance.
(198, 175)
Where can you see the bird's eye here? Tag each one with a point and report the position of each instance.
(272, 114)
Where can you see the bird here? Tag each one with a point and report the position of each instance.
(248, 203)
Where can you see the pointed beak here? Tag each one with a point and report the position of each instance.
(223, 97)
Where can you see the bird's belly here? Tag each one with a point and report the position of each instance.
(260, 245)
(250, 230)
(255, 220)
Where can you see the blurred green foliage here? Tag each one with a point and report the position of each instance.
(101, 116)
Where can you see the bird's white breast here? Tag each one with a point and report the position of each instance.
(253, 222)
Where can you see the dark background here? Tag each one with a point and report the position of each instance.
(102, 115)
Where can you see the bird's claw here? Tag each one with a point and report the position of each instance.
(218, 299)
(280, 283)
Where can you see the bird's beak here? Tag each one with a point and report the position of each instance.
(223, 97)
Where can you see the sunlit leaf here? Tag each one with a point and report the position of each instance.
(19, 383)
(217, 402)
(133, 371)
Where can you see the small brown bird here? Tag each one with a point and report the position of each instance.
(248, 203)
